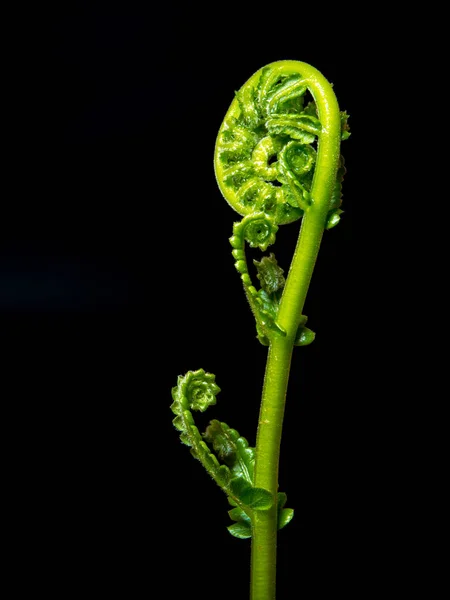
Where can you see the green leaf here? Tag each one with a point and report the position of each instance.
(257, 498)
(184, 437)
(333, 218)
(232, 449)
(239, 487)
(303, 320)
(223, 475)
(236, 143)
(303, 128)
(224, 447)
(179, 424)
(281, 500)
(249, 112)
(240, 530)
(237, 514)
(209, 461)
(304, 337)
(289, 89)
(238, 173)
(267, 310)
(284, 517)
(262, 338)
(267, 304)
(270, 274)
(176, 407)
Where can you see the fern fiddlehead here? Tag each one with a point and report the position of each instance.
(277, 159)
(228, 459)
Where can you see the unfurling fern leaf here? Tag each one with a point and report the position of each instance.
(197, 390)
(228, 459)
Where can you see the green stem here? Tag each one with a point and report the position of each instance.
(264, 534)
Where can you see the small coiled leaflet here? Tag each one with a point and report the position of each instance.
(259, 230)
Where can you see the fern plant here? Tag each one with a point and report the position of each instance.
(277, 159)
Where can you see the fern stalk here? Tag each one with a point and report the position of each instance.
(270, 172)
(263, 561)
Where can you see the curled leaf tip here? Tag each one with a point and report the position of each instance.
(198, 388)
(258, 229)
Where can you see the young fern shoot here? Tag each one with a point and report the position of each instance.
(277, 159)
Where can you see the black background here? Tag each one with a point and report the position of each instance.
(116, 276)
